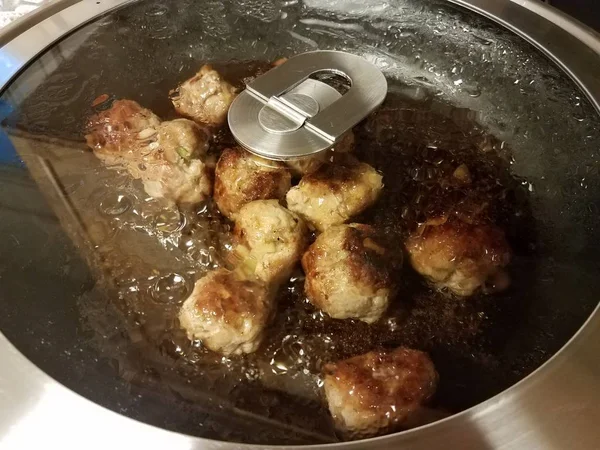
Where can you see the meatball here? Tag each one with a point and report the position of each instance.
(241, 178)
(175, 166)
(227, 312)
(378, 391)
(271, 240)
(304, 166)
(308, 164)
(168, 157)
(459, 256)
(182, 140)
(348, 273)
(204, 98)
(335, 193)
(117, 134)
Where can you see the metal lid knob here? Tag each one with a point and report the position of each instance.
(284, 114)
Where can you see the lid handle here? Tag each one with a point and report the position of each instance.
(368, 88)
(285, 114)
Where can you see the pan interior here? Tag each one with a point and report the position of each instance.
(92, 272)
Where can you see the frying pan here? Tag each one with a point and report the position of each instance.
(532, 85)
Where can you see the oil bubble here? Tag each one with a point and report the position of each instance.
(170, 289)
(115, 204)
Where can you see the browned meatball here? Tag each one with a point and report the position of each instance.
(241, 178)
(270, 240)
(227, 312)
(348, 273)
(335, 193)
(378, 391)
(117, 134)
(309, 164)
(174, 167)
(169, 157)
(460, 256)
(182, 140)
(204, 98)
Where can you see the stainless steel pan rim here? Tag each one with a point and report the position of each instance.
(554, 407)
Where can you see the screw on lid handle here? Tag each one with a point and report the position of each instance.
(283, 114)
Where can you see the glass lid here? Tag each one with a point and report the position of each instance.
(474, 184)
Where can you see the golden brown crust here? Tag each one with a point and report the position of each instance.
(458, 240)
(118, 131)
(366, 373)
(231, 298)
(227, 312)
(335, 192)
(309, 266)
(349, 273)
(334, 176)
(265, 185)
(167, 156)
(444, 247)
(241, 178)
(378, 391)
(368, 260)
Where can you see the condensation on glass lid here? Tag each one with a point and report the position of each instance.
(485, 101)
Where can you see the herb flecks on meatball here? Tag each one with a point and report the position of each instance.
(241, 178)
(168, 157)
(270, 240)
